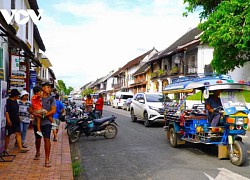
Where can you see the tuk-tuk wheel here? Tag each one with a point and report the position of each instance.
(173, 137)
(239, 155)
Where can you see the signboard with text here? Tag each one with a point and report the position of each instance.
(3, 100)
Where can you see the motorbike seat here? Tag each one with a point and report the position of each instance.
(101, 120)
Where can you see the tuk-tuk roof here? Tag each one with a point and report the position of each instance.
(187, 84)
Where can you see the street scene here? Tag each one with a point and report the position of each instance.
(124, 89)
(139, 153)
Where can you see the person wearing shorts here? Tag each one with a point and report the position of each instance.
(48, 103)
(60, 109)
(13, 121)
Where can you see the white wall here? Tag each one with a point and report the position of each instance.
(130, 72)
(242, 73)
(109, 84)
(204, 57)
(21, 33)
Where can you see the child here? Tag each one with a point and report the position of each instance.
(36, 103)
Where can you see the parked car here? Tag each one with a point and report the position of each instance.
(148, 107)
(120, 98)
(126, 104)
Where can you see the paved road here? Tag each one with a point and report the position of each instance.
(143, 153)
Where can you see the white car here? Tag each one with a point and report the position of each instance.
(120, 98)
(148, 107)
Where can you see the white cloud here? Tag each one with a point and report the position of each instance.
(88, 50)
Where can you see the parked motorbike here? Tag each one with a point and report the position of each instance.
(106, 127)
(71, 122)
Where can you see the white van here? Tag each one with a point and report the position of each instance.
(120, 98)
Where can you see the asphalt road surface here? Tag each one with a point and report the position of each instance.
(144, 153)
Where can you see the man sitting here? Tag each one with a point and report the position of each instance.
(211, 103)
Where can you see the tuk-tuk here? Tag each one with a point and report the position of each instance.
(193, 125)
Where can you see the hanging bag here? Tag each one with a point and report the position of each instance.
(61, 117)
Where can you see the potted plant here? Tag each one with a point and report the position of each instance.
(174, 70)
(160, 72)
(154, 74)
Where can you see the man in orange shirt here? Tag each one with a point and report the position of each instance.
(89, 103)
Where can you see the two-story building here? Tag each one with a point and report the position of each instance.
(186, 56)
(20, 45)
(124, 79)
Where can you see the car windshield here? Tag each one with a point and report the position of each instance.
(154, 98)
(126, 96)
(235, 99)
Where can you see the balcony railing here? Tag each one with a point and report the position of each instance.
(119, 85)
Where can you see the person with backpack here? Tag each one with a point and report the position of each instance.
(60, 109)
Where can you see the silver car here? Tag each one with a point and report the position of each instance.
(126, 104)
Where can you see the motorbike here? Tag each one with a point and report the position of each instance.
(106, 127)
(72, 121)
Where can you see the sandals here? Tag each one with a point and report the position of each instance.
(55, 139)
(37, 157)
(23, 150)
(48, 164)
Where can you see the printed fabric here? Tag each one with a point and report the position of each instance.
(23, 111)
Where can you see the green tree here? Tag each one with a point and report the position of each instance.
(226, 28)
(87, 91)
(68, 90)
(61, 87)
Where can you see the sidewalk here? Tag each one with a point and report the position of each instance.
(25, 167)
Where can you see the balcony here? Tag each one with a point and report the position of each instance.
(192, 70)
(118, 85)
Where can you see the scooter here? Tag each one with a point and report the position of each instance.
(106, 127)
(72, 121)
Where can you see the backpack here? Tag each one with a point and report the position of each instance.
(59, 104)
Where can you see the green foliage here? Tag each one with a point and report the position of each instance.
(154, 74)
(160, 72)
(76, 168)
(69, 90)
(87, 91)
(246, 95)
(226, 29)
(205, 7)
(196, 96)
(61, 87)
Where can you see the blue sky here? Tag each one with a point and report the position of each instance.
(85, 40)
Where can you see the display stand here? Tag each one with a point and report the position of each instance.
(6, 157)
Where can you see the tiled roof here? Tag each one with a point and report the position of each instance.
(107, 76)
(186, 38)
(142, 69)
(133, 62)
(86, 85)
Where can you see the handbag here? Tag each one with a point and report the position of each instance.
(61, 117)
